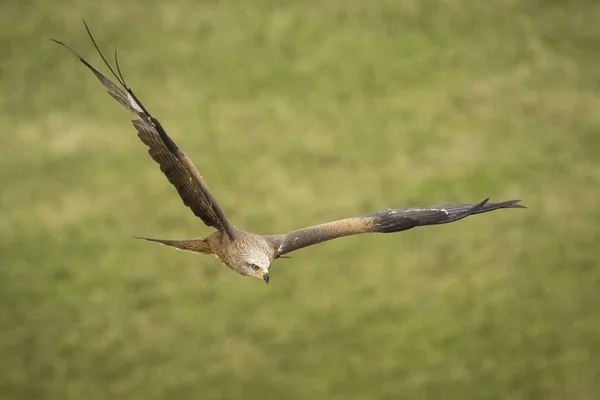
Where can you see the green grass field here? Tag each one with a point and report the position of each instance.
(297, 113)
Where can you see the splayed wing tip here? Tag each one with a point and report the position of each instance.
(515, 204)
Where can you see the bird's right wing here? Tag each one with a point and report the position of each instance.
(384, 222)
(175, 165)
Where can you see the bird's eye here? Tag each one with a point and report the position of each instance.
(255, 267)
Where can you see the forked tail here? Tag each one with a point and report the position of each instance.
(199, 245)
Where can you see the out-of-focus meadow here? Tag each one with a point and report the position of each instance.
(297, 113)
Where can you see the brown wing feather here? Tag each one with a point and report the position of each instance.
(181, 173)
(177, 167)
(304, 237)
(382, 222)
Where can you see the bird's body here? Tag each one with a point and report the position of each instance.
(244, 252)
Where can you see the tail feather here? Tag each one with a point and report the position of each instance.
(199, 245)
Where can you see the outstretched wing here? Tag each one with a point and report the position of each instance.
(176, 166)
(383, 222)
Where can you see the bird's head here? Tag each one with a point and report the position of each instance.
(257, 264)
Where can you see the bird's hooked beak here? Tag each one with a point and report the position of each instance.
(266, 277)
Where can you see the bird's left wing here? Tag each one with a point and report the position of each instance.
(384, 222)
(175, 165)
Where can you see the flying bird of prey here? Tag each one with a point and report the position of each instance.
(244, 252)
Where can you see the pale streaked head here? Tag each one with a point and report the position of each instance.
(257, 264)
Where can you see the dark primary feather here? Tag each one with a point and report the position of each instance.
(400, 220)
(177, 167)
(389, 221)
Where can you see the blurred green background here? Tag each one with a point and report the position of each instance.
(297, 113)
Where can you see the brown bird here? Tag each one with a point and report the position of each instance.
(244, 252)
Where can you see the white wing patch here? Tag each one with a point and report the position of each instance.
(134, 103)
(427, 209)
